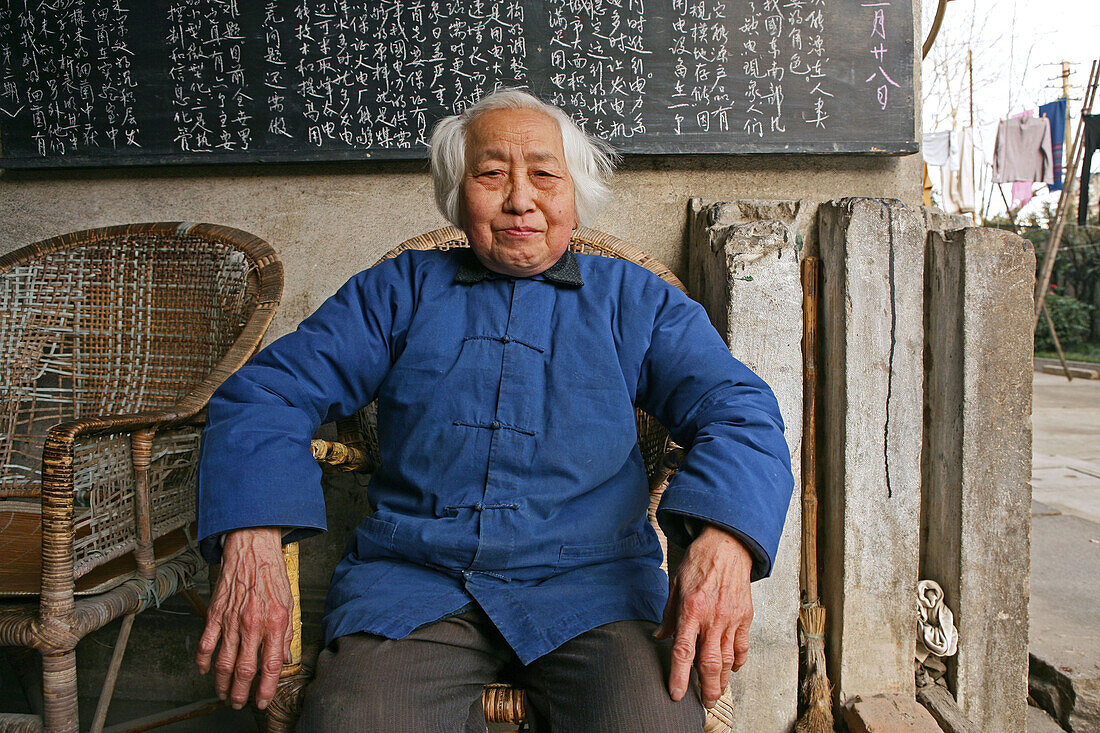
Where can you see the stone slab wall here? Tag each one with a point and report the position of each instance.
(747, 277)
(872, 254)
(924, 436)
(976, 506)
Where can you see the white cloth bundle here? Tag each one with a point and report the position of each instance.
(936, 632)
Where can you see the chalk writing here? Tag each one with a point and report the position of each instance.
(597, 64)
(701, 99)
(275, 77)
(127, 81)
(369, 74)
(752, 50)
(476, 45)
(763, 44)
(806, 19)
(205, 48)
(880, 52)
(69, 72)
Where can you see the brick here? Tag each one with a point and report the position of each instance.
(888, 714)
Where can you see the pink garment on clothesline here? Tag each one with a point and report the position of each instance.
(1021, 190)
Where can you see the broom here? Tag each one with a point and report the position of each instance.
(817, 715)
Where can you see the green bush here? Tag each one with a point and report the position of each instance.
(1072, 319)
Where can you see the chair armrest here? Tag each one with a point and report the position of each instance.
(290, 557)
(662, 473)
(66, 433)
(58, 458)
(336, 457)
(666, 469)
(281, 714)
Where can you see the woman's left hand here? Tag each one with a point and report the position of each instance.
(709, 612)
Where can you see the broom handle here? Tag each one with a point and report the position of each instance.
(810, 276)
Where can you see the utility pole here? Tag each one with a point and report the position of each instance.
(973, 182)
(1065, 95)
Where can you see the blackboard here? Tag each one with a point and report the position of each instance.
(122, 82)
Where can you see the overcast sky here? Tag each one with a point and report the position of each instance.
(1018, 46)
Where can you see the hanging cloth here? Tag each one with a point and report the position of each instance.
(936, 147)
(927, 187)
(1092, 142)
(1022, 190)
(1056, 113)
(957, 175)
(1022, 151)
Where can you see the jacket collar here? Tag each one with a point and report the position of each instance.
(565, 271)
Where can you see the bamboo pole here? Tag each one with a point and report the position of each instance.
(1057, 342)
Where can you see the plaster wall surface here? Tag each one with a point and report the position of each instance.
(328, 221)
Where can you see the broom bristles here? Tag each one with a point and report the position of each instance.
(818, 715)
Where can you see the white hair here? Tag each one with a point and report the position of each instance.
(590, 161)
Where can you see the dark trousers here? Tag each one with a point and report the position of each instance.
(612, 678)
(1092, 144)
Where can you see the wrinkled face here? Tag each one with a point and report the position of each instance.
(517, 195)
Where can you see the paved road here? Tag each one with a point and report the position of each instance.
(1065, 550)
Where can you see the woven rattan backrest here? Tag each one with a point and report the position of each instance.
(652, 436)
(116, 321)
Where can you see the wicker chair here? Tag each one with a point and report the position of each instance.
(113, 340)
(356, 449)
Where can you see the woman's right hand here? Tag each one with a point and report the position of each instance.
(249, 613)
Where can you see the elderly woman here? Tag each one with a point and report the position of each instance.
(509, 533)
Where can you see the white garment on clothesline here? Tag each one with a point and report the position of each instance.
(957, 174)
(936, 147)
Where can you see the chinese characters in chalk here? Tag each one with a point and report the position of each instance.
(597, 64)
(205, 48)
(92, 80)
(701, 99)
(880, 51)
(69, 72)
(366, 74)
(784, 41)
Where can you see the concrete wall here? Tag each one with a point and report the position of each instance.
(328, 221)
(869, 441)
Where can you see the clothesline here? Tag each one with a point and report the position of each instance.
(1026, 150)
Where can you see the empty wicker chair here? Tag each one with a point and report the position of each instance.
(111, 342)
(356, 449)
